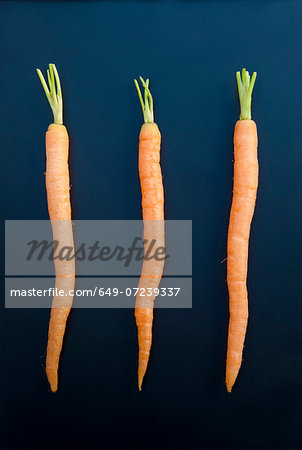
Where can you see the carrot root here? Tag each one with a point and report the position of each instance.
(153, 217)
(242, 211)
(59, 208)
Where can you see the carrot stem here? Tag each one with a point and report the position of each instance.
(147, 101)
(245, 88)
(53, 92)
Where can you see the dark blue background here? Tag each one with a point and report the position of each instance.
(191, 51)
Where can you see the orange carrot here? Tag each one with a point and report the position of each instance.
(242, 211)
(153, 217)
(58, 198)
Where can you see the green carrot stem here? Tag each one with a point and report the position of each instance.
(53, 92)
(245, 88)
(147, 101)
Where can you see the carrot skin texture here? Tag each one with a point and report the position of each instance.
(242, 211)
(59, 207)
(57, 172)
(153, 217)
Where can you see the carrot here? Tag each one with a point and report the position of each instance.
(58, 198)
(153, 217)
(242, 211)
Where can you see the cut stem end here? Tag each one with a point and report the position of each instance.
(245, 88)
(53, 92)
(147, 101)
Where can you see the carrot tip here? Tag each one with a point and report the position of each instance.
(52, 380)
(229, 387)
